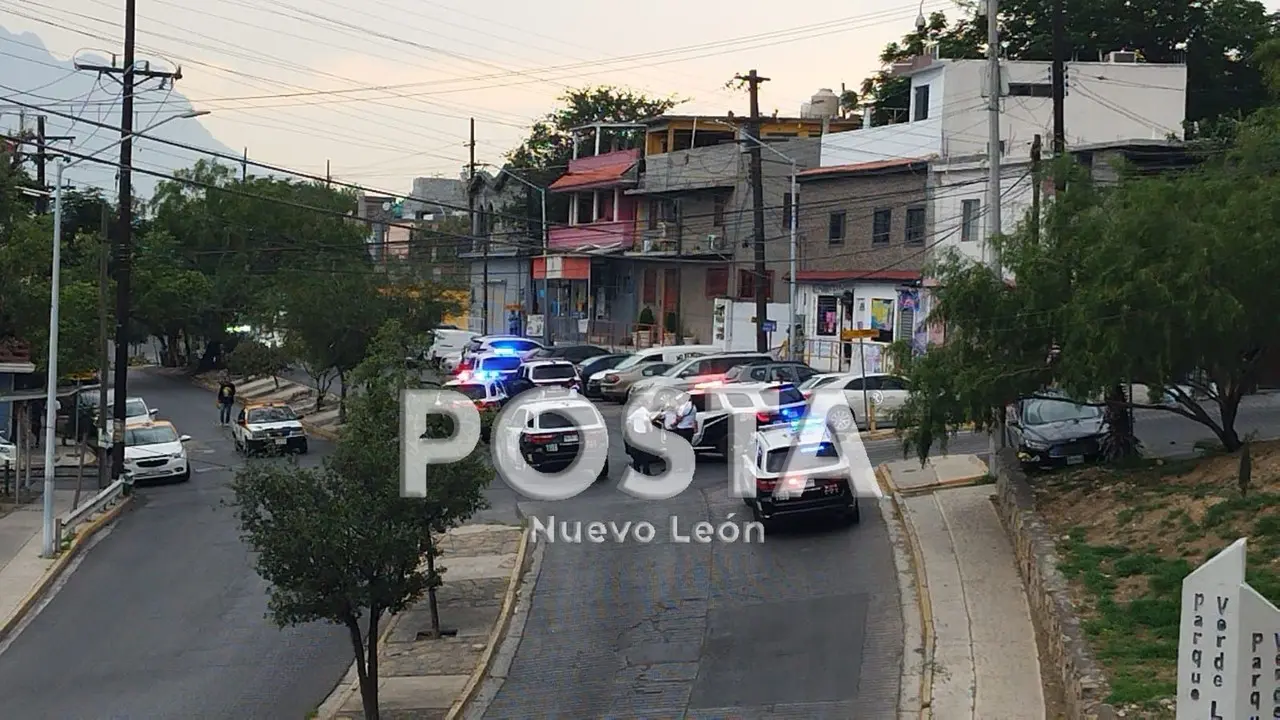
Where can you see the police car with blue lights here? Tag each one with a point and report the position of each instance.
(797, 469)
(715, 403)
(497, 364)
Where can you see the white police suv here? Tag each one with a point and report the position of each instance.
(769, 402)
(549, 439)
(797, 470)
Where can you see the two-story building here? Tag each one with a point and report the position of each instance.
(1114, 104)
(500, 255)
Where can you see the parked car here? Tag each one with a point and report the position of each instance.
(268, 426)
(155, 451)
(883, 393)
(770, 371)
(705, 371)
(550, 441)
(1055, 430)
(447, 346)
(820, 380)
(617, 382)
(575, 354)
(593, 371)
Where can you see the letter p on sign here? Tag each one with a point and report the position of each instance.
(417, 451)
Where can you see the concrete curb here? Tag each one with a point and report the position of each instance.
(60, 565)
(928, 635)
(499, 631)
(944, 485)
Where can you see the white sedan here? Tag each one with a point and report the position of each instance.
(155, 451)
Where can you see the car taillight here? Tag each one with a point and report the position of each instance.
(763, 417)
(485, 404)
(611, 378)
(765, 486)
(541, 439)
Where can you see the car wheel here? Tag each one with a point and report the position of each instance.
(303, 448)
(604, 472)
(757, 516)
(186, 476)
(853, 515)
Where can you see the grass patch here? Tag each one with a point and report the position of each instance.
(1128, 536)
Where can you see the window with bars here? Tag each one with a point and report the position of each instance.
(835, 227)
(969, 220)
(915, 225)
(747, 285)
(881, 226)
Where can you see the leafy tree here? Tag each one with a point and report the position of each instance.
(169, 297)
(1215, 38)
(339, 544)
(255, 359)
(1159, 280)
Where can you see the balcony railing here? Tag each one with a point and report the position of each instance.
(619, 235)
(666, 241)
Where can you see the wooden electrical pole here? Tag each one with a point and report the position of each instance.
(42, 157)
(104, 364)
(761, 277)
(130, 72)
(1059, 81)
(1036, 146)
(477, 231)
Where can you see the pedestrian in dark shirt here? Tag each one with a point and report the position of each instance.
(226, 400)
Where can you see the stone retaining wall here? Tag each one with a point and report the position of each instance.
(1069, 655)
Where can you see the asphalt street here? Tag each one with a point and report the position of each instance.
(806, 624)
(164, 617)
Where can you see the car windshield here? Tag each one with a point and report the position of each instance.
(150, 435)
(550, 420)
(785, 395)
(681, 366)
(1044, 412)
(604, 362)
(634, 360)
(271, 414)
(553, 372)
(473, 392)
(135, 407)
(803, 457)
(500, 363)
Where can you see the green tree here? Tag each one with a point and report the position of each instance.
(1159, 280)
(338, 543)
(169, 297)
(1215, 38)
(256, 359)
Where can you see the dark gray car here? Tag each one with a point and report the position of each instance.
(1054, 432)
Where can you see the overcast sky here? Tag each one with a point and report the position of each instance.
(502, 61)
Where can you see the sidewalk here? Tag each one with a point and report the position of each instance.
(278, 390)
(435, 678)
(981, 660)
(21, 568)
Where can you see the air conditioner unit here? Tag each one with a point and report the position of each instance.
(1122, 56)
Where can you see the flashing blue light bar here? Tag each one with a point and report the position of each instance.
(504, 351)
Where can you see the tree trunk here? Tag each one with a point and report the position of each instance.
(370, 698)
(1229, 409)
(1121, 442)
(368, 684)
(342, 397)
(186, 344)
(432, 582)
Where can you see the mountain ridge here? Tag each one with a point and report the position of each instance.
(35, 76)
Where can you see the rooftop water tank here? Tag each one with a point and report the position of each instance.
(824, 104)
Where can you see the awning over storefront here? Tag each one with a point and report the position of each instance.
(560, 267)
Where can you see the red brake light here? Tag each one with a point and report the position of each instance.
(611, 378)
(765, 486)
(540, 439)
(763, 417)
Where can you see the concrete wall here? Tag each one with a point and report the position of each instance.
(859, 197)
(954, 184)
(509, 284)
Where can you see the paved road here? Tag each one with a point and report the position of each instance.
(164, 617)
(805, 625)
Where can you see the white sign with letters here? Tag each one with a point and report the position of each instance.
(1228, 644)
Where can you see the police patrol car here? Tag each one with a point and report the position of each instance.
(715, 403)
(796, 471)
(487, 395)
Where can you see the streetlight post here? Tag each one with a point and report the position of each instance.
(546, 292)
(50, 543)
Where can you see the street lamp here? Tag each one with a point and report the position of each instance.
(795, 214)
(50, 544)
(546, 292)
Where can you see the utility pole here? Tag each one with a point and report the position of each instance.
(42, 157)
(993, 129)
(476, 231)
(244, 166)
(129, 73)
(1036, 148)
(753, 81)
(328, 175)
(104, 363)
(1059, 81)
